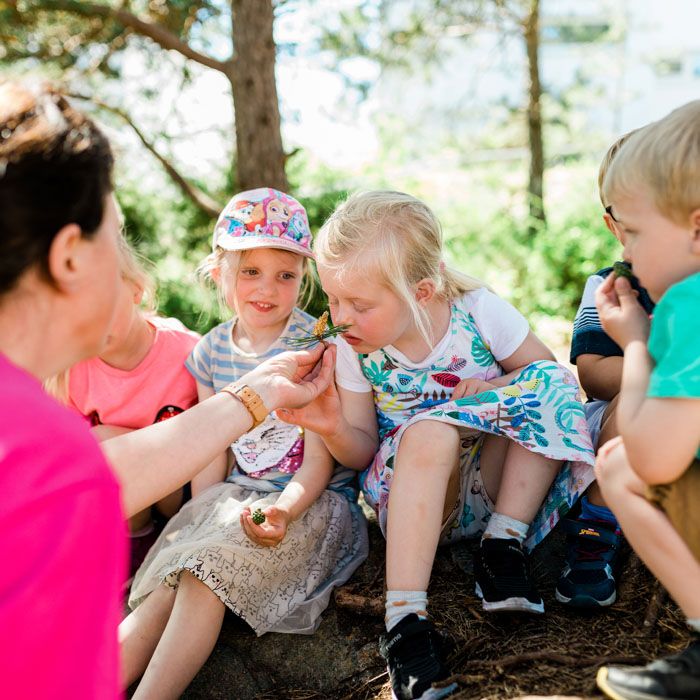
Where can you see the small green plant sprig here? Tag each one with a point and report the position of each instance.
(323, 330)
(622, 269)
(258, 516)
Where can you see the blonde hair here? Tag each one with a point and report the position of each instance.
(403, 238)
(232, 259)
(664, 158)
(133, 269)
(605, 165)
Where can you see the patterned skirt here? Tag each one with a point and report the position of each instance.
(274, 589)
(541, 410)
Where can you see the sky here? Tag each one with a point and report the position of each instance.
(323, 117)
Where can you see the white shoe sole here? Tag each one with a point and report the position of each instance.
(585, 602)
(434, 693)
(509, 604)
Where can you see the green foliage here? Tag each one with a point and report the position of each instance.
(175, 236)
(542, 274)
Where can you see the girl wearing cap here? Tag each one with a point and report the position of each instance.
(64, 497)
(278, 574)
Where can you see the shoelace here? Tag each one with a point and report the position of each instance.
(587, 550)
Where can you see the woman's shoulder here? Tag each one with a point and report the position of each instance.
(36, 425)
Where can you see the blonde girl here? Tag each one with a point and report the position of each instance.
(276, 575)
(138, 379)
(455, 412)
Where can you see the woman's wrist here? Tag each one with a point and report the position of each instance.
(261, 386)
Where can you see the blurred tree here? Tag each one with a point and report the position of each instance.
(234, 39)
(413, 32)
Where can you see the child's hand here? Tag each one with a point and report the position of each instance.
(610, 456)
(322, 416)
(469, 387)
(272, 531)
(293, 379)
(621, 314)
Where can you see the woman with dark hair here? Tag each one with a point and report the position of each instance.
(62, 510)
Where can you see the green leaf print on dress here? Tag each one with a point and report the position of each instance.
(480, 352)
(374, 373)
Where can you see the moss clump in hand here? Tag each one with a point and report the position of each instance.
(258, 516)
(622, 269)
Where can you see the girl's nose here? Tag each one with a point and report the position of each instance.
(265, 284)
(341, 316)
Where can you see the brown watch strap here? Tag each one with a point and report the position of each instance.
(250, 399)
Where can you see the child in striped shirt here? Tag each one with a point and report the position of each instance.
(589, 577)
(274, 568)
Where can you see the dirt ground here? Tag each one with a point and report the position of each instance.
(556, 653)
(493, 657)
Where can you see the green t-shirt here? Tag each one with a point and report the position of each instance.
(674, 342)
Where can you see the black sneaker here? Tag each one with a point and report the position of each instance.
(503, 577)
(588, 579)
(675, 677)
(413, 652)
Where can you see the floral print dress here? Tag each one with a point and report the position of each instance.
(540, 409)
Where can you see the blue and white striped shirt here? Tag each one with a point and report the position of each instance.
(216, 361)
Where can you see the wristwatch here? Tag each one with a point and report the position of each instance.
(250, 399)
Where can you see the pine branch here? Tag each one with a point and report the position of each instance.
(200, 198)
(152, 30)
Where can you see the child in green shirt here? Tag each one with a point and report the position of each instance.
(650, 474)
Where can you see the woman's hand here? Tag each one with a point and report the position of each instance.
(469, 387)
(322, 416)
(293, 379)
(621, 314)
(272, 531)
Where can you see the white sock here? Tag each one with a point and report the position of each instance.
(503, 527)
(402, 603)
(694, 624)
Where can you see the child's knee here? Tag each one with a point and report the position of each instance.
(430, 443)
(431, 437)
(613, 472)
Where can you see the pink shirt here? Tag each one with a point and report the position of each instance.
(158, 388)
(63, 544)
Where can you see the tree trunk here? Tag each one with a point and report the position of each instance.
(260, 157)
(534, 115)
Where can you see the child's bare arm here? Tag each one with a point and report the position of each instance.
(346, 420)
(305, 487)
(600, 376)
(643, 422)
(355, 439)
(530, 350)
(215, 471)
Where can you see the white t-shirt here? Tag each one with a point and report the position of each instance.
(502, 327)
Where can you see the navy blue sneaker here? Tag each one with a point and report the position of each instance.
(588, 579)
(414, 654)
(675, 677)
